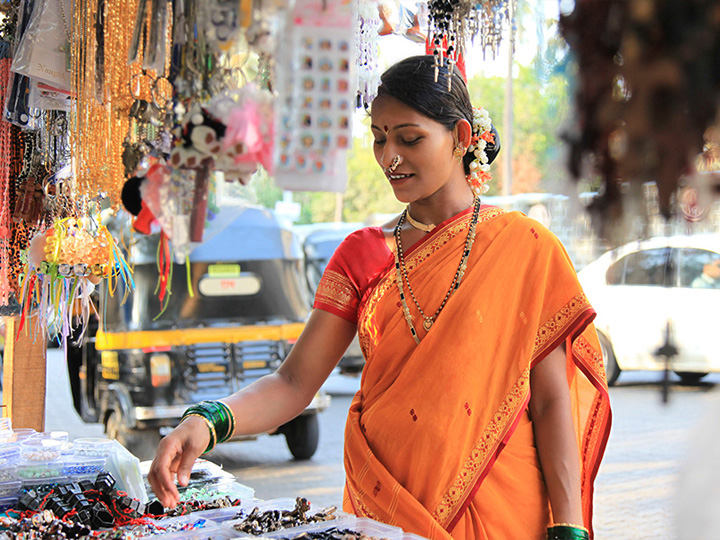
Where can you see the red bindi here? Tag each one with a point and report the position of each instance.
(386, 129)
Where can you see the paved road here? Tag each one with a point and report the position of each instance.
(634, 490)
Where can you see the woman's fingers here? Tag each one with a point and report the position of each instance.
(175, 456)
(162, 472)
(185, 467)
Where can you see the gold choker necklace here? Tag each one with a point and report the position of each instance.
(420, 226)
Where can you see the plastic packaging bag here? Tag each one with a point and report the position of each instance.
(43, 52)
(125, 467)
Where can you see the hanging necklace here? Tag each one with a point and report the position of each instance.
(402, 274)
(417, 224)
(65, 48)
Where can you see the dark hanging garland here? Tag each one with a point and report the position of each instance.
(647, 91)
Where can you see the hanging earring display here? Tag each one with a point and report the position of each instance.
(451, 22)
(366, 50)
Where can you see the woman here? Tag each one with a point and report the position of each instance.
(483, 410)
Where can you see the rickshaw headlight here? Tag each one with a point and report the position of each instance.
(160, 372)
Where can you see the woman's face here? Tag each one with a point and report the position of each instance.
(424, 146)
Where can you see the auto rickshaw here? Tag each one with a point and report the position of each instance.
(139, 367)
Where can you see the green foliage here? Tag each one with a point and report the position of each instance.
(539, 110)
(368, 191)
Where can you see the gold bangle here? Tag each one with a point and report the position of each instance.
(211, 427)
(571, 525)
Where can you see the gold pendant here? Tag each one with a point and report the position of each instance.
(427, 324)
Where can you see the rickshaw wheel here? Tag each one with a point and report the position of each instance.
(141, 442)
(302, 435)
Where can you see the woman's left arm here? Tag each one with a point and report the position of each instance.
(555, 437)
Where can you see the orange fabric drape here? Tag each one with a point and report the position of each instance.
(438, 439)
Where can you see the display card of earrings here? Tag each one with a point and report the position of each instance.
(317, 94)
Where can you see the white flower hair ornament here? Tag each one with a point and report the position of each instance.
(482, 134)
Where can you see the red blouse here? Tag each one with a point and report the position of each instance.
(353, 266)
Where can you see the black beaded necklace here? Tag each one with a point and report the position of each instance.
(402, 274)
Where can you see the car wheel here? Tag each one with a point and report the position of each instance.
(302, 435)
(690, 377)
(612, 370)
(142, 443)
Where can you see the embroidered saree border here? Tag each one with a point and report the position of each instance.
(336, 290)
(547, 334)
(477, 465)
(597, 429)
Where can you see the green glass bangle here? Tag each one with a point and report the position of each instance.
(231, 419)
(567, 532)
(223, 420)
(211, 428)
(215, 416)
(220, 415)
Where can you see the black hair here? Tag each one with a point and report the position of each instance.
(412, 81)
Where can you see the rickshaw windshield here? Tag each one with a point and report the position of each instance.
(249, 273)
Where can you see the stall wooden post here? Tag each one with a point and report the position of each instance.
(24, 376)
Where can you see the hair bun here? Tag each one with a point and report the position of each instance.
(492, 149)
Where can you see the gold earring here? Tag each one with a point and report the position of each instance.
(458, 153)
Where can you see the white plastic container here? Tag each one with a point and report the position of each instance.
(202, 528)
(32, 470)
(289, 504)
(9, 452)
(93, 447)
(5, 424)
(366, 526)
(55, 435)
(21, 434)
(39, 449)
(50, 481)
(87, 466)
(8, 503)
(10, 489)
(8, 470)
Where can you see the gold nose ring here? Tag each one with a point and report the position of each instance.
(393, 165)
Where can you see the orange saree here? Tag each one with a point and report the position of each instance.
(438, 440)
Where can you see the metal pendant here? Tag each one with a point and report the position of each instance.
(427, 324)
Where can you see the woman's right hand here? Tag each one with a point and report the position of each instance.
(175, 456)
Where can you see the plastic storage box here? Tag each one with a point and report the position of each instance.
(289, 504)
(366, 526)
(8, 471)
(36, 449)
(93, 447)
(8, 503)
(190, 526)
(83, 466)
(36, 483)
(10, 489)
(30, 470)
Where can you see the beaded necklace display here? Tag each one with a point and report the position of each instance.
(418, 224)
(402, 274)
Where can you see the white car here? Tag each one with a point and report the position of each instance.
(645, 290)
